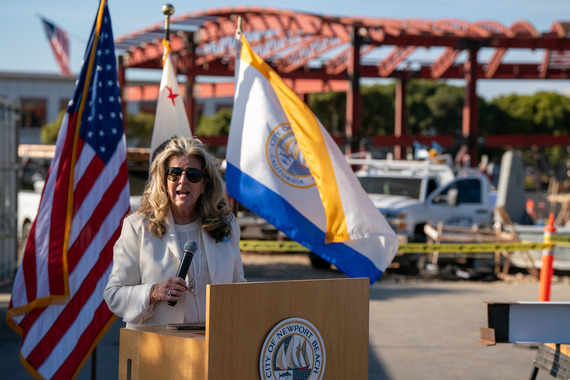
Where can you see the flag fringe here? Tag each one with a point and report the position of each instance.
(27, 308)
(28, 367)
(33, 371)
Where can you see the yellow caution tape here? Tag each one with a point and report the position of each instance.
(292, 246)
(271, 245)
(470, 248)
(560, 238)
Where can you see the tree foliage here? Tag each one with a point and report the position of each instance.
(330, 109)
(49, 132)
(446, 107)
(215, 125)
(139, 129)
(542, 112)
(377, 102)
(438, 107)
(432, 108)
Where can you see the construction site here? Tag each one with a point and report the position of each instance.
(465, 221)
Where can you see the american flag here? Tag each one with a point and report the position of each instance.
(57, 298)
(59, 45)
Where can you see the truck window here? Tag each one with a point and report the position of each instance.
(407, 187)
(431, 186)
(468, 191)
(32, 170)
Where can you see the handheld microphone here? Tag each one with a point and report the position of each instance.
(190, 248)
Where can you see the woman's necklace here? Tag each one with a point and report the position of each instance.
(199, 269)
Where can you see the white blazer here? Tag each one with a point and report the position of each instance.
(139, 257)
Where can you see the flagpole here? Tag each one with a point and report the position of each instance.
(168, 10)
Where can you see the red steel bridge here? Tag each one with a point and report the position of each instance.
(316, 53)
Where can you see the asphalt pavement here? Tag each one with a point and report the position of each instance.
(419, 329)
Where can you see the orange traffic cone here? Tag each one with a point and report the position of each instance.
(530, 209)
(547, 270)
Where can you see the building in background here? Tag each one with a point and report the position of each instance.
(42, 97)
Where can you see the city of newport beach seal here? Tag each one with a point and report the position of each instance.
(293, 350)
(285, 158)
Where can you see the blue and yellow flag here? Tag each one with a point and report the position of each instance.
(283, 165)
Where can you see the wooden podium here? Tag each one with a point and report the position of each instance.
(239, 318)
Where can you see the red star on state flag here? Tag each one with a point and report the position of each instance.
(171, 95)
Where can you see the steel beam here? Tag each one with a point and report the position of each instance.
(401, 117)
(189, 100)
(301, 41)
(353, 98)
(470, 120)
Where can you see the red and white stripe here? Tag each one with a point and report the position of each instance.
(101, 199)
(57, 298)
(60, 46)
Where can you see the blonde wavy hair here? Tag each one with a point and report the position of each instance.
(212, 208)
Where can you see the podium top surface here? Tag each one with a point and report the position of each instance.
(163, 330)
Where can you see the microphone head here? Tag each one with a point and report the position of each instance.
(190, 246)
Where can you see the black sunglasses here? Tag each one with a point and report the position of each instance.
(193, 175)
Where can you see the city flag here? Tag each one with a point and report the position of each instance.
(283, 165)
(59, 42)
(57, 301)
(170, 119)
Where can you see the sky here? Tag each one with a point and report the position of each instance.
(26, 49)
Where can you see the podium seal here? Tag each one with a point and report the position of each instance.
(293, 350)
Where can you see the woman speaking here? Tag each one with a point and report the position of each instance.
(183, 201)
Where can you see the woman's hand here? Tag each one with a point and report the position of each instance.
(169, 290)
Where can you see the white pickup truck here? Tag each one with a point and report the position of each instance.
(34, 165)
(413, 193)
(28, 204)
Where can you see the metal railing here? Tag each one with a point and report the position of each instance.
(9, 117)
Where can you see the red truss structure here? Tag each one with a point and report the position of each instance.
(316, 53)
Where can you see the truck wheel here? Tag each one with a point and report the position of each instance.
(318, 262)
(409, 263)
(419, 234)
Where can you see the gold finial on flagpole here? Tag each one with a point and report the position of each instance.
(168, 10)
(240, 24)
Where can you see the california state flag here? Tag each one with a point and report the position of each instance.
(170, 119)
